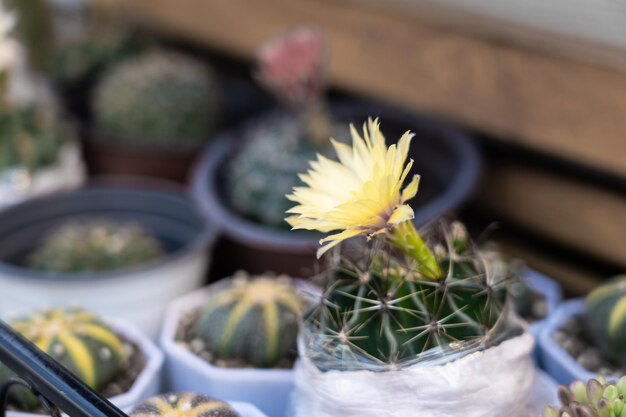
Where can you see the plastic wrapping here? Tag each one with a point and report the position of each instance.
(495, 382)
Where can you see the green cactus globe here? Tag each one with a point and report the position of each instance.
(604, 319)
(378, 310)
(77, 339)
(157, 99)
(95, 245)
(183, 404)
(254, 319)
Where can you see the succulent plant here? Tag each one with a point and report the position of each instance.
(78, 57)
(597, 398)
(157, 99)
(377, 308)
(95, 245)
(77, 339)
(604, 319)
(29, 139)
(292, 66)
(183, 404)
(251, 318)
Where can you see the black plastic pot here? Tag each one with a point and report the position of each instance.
(139, 294)
(447, 160)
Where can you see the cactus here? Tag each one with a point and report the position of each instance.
(157, 99)
(185, 404)
(292, 66)
(258, 177)
(254, 319)
(95, 245)
(597, 398)
(28, 139)
(78, 340)
(604, 320)
(76, 58)
(378, 309)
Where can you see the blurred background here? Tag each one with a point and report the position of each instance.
(519, 108)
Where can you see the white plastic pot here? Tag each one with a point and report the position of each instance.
(67, 172)
(138, 294)
(268, 389)
(148, 382)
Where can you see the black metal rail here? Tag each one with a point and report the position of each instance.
(54, 385)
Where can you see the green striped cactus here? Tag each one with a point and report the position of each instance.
(185, 404)
(605, 319)
(78, 339)
(254, 319)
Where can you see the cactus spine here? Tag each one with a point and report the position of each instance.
(95, 245)
(605, 319)
(597, 398)
(251, 318)
(185, 404)
(378, 308)
(77, 339)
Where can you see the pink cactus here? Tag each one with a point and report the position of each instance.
(293, 66)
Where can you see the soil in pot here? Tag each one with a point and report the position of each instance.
(186, 336)
(573, 340)
(534, 306)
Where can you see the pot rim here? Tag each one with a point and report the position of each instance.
(199, 244)
(206, 191)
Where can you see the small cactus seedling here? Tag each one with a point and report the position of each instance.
(604, 319)
(252, 318)
(77, 339)
(183, 404)
(157, 99)
(95, 245)
(597, 398)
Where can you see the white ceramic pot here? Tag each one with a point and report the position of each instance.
(268, 389)
(140, 294)
(147, 384)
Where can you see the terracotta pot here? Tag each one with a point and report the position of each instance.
(447, 160)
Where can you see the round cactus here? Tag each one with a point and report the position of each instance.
(95, 245)
(254, 319)
(597, 398)
(157, 99)
(604, 319)
(377, 310)
(77, 339)
(184, 404)
(28, 139)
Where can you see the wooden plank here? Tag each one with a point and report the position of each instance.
(560, 107)
(586, 218)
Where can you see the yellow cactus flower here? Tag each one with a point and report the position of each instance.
(362, 194)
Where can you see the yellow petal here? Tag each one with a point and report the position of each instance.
(335, 240)
(401, 213)
(411, 190)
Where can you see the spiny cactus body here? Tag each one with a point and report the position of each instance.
(266, 168)
(605, 319)
(95, 245)
(378, 309)
(184, 404)
(28, 139)
(597, 398)
(157, 99)
(77, 339)
(79, 57)
(252, 318)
